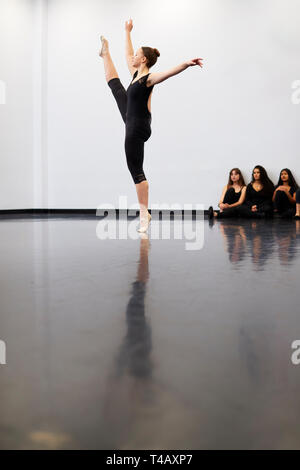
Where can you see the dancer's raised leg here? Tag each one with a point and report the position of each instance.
(113, 80)
(109, 68)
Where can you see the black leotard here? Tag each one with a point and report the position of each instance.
(137, 118)
(137, 98)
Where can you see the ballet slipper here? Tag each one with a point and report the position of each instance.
(104, 47)
(144, 224)
(144, 236)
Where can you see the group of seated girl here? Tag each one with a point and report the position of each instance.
(260, 198)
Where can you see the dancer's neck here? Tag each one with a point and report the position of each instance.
(142, 70)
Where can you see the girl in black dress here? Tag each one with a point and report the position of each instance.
(284, 199)
(259, 193)
(232, 197)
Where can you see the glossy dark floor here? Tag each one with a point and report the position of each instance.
(146, 344)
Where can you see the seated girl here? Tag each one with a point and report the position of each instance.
(284, 199)
(297, 196)
(233, 196)
(259, 193)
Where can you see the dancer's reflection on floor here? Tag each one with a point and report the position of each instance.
(140, 410)
(134, 354)
(129, 388)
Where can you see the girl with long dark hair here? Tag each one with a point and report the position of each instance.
(259, 193)
(232, 197)
(284, 195)
(134, 106)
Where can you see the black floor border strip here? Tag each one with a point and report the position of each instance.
(91, 212)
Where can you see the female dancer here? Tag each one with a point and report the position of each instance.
(284, 195)
(233, 195)
(259, 193)
(134, 106)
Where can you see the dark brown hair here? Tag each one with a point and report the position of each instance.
(292, 181)
(151, 55)
(241, 180)
(268, 186)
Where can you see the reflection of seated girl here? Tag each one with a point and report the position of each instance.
(233, 195)
(284, 195)
(259, 193)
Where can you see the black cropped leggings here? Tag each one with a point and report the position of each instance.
(138, 131)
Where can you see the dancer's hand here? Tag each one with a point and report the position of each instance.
(197, 61)
(254, 208)
(128, 25)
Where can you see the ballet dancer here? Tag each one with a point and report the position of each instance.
(135, 107)
(284, 198)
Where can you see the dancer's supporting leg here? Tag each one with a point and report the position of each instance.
(134, 149)
(142, 190)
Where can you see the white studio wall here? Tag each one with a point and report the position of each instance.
(236, 111)
(16, 104)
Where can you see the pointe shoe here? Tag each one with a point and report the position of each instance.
(104, 47)
(144, 226)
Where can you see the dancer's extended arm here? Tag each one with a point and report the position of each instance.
(159, 77)
(128, 46)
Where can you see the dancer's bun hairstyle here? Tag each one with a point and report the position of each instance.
(151, 55)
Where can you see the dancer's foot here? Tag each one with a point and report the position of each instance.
(144, 223)
(104, 47)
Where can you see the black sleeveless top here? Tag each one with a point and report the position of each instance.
(258, 197)
(137, 98)
(233, 195)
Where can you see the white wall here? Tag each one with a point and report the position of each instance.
(236, 111)
(16, 119)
